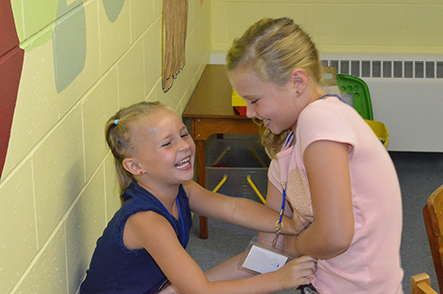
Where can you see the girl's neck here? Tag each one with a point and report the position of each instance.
(166, 194)
(316, 92)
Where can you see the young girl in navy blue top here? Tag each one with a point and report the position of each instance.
(143, 247)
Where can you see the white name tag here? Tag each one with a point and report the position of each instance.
(261, 257)
(262, 261)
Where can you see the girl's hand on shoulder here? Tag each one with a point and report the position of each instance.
(297, 272)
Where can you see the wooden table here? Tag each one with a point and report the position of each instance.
(210, 112)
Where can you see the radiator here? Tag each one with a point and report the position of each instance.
(406, 93)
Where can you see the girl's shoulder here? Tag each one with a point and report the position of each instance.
(328, 119)
(331, 103)
(329, 110)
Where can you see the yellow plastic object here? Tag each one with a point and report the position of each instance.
(225, 177)
(380, 131)
(237, 100)
(255, 189)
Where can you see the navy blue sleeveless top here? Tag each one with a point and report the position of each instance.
(116, 269)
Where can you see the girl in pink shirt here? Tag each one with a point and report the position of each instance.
(328, 168)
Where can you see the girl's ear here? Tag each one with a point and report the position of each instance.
(299, 80)
(130, 165)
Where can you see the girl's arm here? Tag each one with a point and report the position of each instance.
(153, 232)
(332, 230)
(228, 270)
(237, 210)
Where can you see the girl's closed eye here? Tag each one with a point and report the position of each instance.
(166, 144)
(184, 135)
(254, 101)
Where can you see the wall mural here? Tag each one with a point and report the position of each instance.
(69, 46)
(11, 62)
(175, 19)
(69, 43)
(113, 8)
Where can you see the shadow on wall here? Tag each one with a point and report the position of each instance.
(69, 39)
(113, 8)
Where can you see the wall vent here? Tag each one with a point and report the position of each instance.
(379, 68)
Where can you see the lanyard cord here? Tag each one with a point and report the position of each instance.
(279, 224)
(332, 95)
(181, 219)
(182, 223)
(283, 204)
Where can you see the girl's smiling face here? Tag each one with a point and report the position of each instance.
(163, 149)
(276, 106)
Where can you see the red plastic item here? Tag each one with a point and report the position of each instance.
(241, 110)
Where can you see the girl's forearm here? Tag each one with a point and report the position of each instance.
(227, 270)
(253, 285)
(259, 217)
(230, 275)
(260, 284)
(316, 243)
(290, 276)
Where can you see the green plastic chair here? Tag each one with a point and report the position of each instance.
(360, 91)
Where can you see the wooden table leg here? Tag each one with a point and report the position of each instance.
(203, 227)
(201, 173)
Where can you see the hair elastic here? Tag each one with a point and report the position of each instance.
(116, 121)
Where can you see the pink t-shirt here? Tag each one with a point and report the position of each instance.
(372, 262)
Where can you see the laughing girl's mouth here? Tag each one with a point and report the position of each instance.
(183, 163)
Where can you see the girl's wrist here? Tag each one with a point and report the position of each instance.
(291, 227)
(275, 279)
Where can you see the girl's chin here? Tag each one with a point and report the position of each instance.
(189, 177)
(275, 132)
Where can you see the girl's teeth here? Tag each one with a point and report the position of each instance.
(183, 163)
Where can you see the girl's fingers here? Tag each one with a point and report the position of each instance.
(306, 258)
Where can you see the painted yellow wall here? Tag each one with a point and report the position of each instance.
(381, 26)
(58, 188)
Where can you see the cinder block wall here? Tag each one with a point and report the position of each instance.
(390, 26)
(83, 61)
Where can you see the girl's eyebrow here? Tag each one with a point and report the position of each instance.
(166, 137)
(170, 136)
(251, 95)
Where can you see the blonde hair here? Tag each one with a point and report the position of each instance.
(273, 48)
(118, 135)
